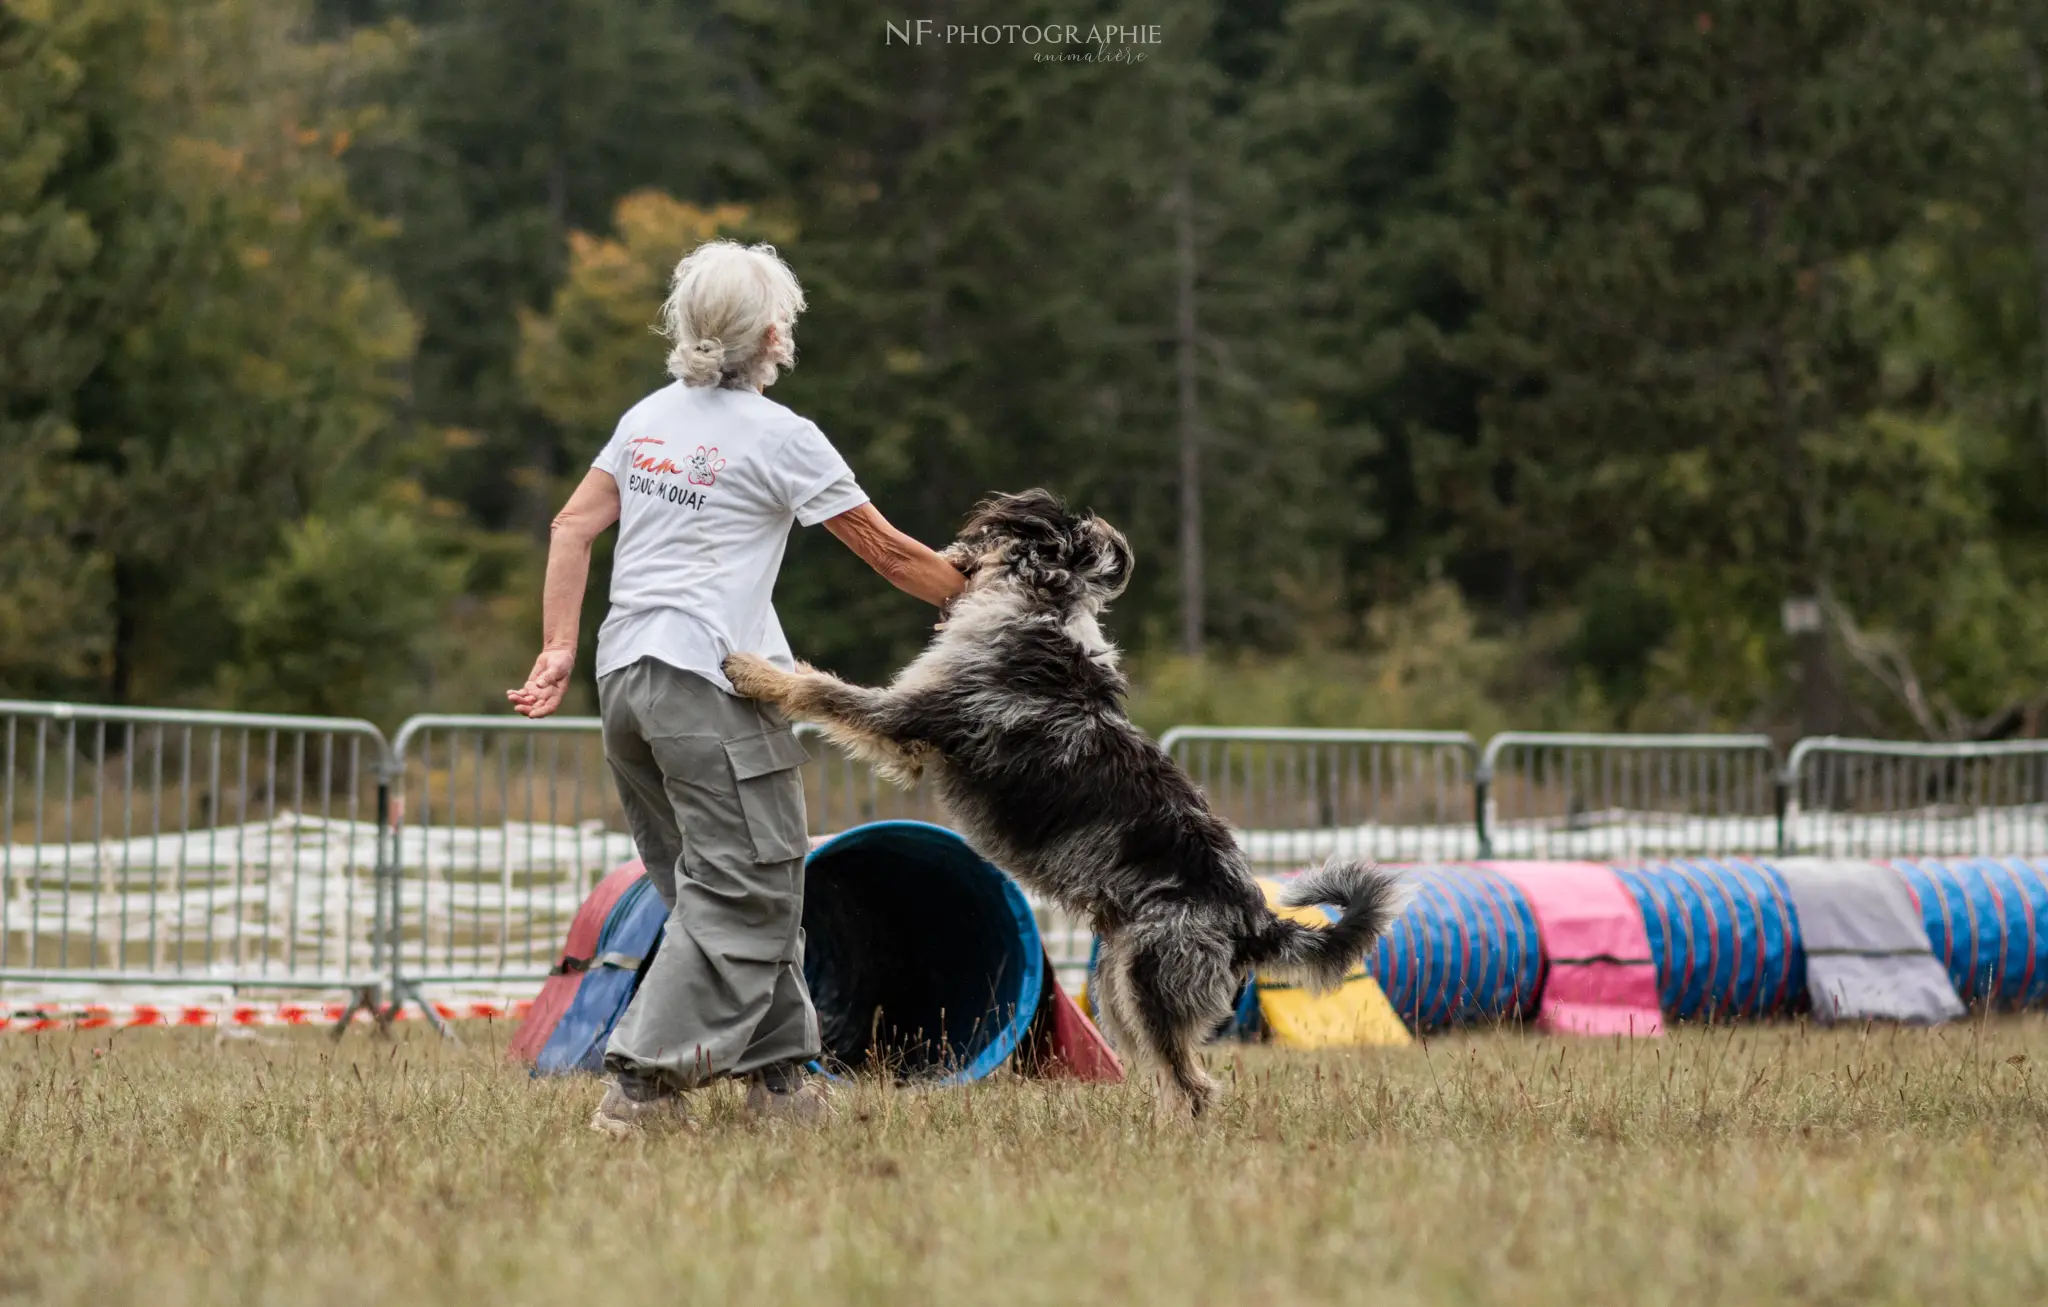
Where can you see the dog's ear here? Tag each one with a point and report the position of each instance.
(1026, 532)
(1035, 515)
(1103, 556)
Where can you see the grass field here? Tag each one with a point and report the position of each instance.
(1754, 1164)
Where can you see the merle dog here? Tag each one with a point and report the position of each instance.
(1015, 714)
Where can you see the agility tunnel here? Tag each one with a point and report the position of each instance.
(1466, 951)
(1603, 949)
(1987, 919)
(924, 961)
(1722, 936)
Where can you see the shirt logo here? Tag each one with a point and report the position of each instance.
(705, 465)
(648, 462)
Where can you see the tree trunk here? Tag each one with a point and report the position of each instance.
(1193, 619)
(1819, 702)
(122, 678)
(2037, 213)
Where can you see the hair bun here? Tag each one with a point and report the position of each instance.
(703, 361)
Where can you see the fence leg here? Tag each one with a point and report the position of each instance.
(364, 1000)
(1784, 805)
(369, 997)
(409, 991)
(390, 937)
(1482, 787)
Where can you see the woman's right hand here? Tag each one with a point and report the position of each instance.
(545, 684)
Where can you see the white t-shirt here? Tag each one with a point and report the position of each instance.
(709, 482)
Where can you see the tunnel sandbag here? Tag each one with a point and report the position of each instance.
(1724, 937)
(1987, 920)
(1356, 1014)
(1466, 950)
(1598, 976)
(631, 934)
(923, 959)
(1868, 955)
(1063, 1043)
(558, 991)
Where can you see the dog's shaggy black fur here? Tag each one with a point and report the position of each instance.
(1015, 714)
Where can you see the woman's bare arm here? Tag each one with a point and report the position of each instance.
(587, 515)
(901, 561)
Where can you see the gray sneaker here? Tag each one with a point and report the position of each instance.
(622, 1113)
(805, 1104)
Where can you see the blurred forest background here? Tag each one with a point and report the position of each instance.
(1465, 363)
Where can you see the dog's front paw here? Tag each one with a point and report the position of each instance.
(753, 676)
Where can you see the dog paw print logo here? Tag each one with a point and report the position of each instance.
(705, 465)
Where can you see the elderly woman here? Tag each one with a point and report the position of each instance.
(704, 478)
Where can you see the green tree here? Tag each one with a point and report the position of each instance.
(1662, 210)
(52, 326)
(198, 341)
(1355, 120)
(344, 620)
(513, 124)
(1031, 272)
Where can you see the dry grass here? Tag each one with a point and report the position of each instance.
(1763, 1164)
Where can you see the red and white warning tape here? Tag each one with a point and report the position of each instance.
(30, 1018)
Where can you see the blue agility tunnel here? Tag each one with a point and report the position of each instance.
(924, 961)
(1987, 919)
(1723, 935)
(922, 958)
(1465, 951)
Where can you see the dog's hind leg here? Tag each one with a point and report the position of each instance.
(1169, 1017)
(1106, 997)
(1116, 1011)
(857, 718)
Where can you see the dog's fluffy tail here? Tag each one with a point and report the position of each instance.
(1369, 899)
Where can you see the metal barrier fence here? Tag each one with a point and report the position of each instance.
(1888, 798)
(1625, 797)
(252, 851)
(501, 826)
(1297, 796)
(162, 847)
(841, 792)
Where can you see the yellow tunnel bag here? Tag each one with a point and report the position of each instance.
(1354, 1015)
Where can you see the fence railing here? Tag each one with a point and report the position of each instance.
(1303, 795)
(1889, 798)
(1544, 795)
(189, 847)
(253, 851)
(841, 792)
(500, 827)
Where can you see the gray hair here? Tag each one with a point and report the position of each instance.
(723, 300)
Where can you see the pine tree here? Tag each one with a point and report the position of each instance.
(513, 124)
(196, 338)
(1663, 203)
(53, 321)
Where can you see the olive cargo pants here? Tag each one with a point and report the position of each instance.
(713, 794)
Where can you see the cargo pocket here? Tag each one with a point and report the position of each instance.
(765, 767)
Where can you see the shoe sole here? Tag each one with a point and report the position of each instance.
(817, 1113)
(613, 1128)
